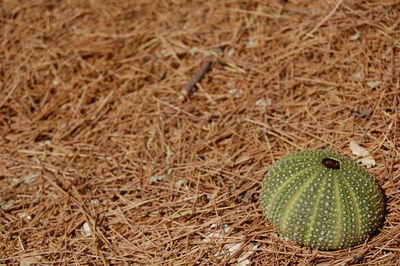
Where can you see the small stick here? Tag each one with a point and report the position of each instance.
(188, 89)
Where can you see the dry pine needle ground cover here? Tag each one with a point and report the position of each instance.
(103, 162)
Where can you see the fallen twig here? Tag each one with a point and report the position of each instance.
(188, 89)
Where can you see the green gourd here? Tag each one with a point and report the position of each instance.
(322, 199)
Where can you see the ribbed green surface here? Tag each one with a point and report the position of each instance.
(322, 207)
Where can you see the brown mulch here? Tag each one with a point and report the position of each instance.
(105, 159)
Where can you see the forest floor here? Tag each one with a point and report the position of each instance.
(108, 157)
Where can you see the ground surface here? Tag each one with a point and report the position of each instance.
(103, 162)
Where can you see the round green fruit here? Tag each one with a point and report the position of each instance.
(322, 199)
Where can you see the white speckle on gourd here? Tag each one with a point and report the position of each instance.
(322, 199)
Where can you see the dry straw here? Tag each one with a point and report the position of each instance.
(101, 163)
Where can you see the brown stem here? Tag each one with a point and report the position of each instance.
(188, 89)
